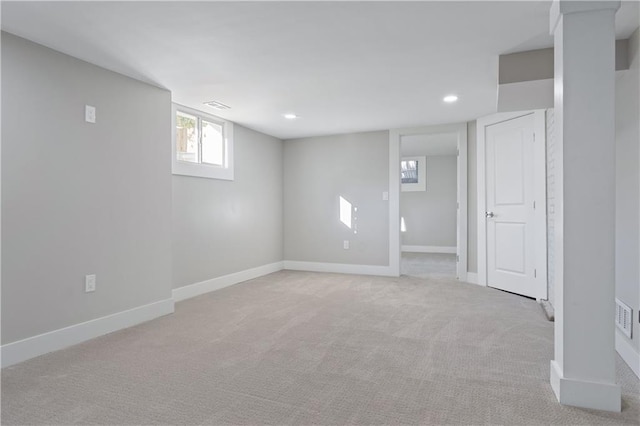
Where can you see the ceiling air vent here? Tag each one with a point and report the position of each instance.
(217, 105)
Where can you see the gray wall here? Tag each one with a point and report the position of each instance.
(220, 227)
(628, 184)
(472, 198)
(80, 198)
(430, 216)
(318, 170)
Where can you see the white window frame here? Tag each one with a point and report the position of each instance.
(203, 170)
(421, 185)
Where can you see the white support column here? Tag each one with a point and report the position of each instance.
(583, 371)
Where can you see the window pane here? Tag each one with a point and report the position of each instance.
(187, 137)
(409, 171)
(212, 143)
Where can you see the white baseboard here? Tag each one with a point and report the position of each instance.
(22, 350)
(579, 393)
(472, 277)
(340, 268)
(429, 249)
(628, 353)
(218, 283)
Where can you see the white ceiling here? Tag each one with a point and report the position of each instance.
(341, 66)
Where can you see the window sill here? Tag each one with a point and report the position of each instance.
(201, 171)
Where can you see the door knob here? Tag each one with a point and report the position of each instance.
(489, 214)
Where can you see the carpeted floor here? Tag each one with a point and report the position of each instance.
(309, 348)
(428, 265)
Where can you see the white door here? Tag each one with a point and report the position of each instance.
(510, 209)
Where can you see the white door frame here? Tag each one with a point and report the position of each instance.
(460, 129)
(539, 167)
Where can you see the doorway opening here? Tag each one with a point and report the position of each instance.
(428, 205)
(428, 201)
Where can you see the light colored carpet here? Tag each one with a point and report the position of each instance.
(309, 348)
(428, 265)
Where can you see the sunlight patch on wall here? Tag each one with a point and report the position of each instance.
(345, 212)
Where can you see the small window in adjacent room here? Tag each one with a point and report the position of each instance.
(202, 144)
(409, 169)
(413, 173)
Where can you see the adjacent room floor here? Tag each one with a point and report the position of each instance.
(428, 265)
(310, 348)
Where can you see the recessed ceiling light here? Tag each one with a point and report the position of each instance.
(290, 116)
(450, 98)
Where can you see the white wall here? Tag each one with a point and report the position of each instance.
(80, 198)
(221, 227)
(430, 216)
(317, 171)
(628, 185)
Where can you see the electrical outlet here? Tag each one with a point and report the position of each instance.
(345, 244)
(89, 283)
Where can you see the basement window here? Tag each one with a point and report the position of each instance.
(202, 144)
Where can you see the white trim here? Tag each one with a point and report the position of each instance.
(394, 202)
(196, 289)
(339, 268)
(462, 234)
(472, 277)
(22, 350)
(539, 188)
(540, 213)
(31, 347)
(481, 201)
(578, 393)
(429, 249)
(628, 353)
(394, 192)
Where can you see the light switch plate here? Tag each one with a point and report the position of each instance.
(89, 114)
